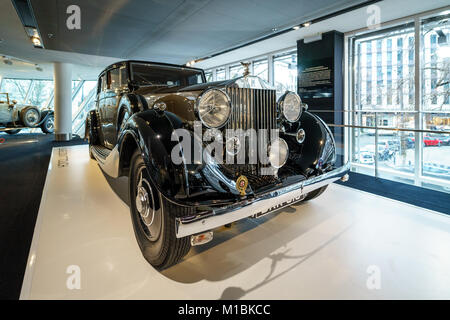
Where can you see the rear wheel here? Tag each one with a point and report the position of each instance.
(13, 131)
(315, 193)
(153, 221)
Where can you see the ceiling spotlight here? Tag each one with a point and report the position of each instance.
(296, 27)
(274, 29)
(39, 69)
(307, 24)
(36, 42)
(190, 63)
(33, 33)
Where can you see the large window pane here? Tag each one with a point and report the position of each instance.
(209, 76)
(435, 64)
(261, 69)
(384, 71)
(16, 88)
(40, 93)
(236, 71)
(285, 73)
(220, 74)
(435, 71)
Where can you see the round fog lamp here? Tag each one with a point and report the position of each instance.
(278, 153)
(233, 146)
(300, 136)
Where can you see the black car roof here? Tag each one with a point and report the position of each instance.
(148, 62)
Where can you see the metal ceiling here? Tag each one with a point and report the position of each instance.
(174, 31)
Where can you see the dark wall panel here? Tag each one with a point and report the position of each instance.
(321, 81)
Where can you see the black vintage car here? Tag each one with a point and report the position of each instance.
(168, 130)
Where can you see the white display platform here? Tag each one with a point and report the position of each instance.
(328, 248)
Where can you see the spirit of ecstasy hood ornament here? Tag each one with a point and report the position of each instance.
(246, 66)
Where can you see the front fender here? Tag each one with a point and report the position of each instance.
(151, 133)
(319, 150)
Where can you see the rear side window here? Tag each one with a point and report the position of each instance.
(102, 83)
(123, 76)
(114, 79)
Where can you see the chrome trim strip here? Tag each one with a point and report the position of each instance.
(265, 202)
(110, 164)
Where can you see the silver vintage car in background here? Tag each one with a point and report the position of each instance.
(15, 117)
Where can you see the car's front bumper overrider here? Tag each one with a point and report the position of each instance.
(261, 204)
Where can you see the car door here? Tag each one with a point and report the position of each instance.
(112, 95)
(100, 105)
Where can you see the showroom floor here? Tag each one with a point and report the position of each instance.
(24, 160)
(345, 244)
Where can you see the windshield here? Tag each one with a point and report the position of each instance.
(157, 75)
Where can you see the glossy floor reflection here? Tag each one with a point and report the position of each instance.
(322, 249)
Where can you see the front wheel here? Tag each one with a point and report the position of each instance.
(153, 223)
(48, 126)
(315, 193)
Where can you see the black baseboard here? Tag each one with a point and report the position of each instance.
(421, 197)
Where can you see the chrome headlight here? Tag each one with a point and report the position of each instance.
(214, 108)
(291, 106)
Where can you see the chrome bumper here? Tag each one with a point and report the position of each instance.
(261, 205)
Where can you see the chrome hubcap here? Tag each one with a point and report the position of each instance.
(49, 124)
(144, 200)
(32, 116)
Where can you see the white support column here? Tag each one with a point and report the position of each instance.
(62, 74)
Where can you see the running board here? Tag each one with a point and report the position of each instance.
(107, 159)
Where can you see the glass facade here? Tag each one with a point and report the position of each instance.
(261, 69)
(283, 75)
(40, 93)
(285, 72)
(236, 71)
(408, 135)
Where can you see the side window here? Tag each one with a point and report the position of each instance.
(114, 79)
(123, 76)
(99, 85)
(102, 83)
(108, 80)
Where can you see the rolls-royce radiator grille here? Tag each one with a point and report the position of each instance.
(251, 109)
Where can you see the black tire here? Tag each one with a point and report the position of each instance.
(315, 193)
(48, 126)
(154, 228)
(30, 116)
(13, 131)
